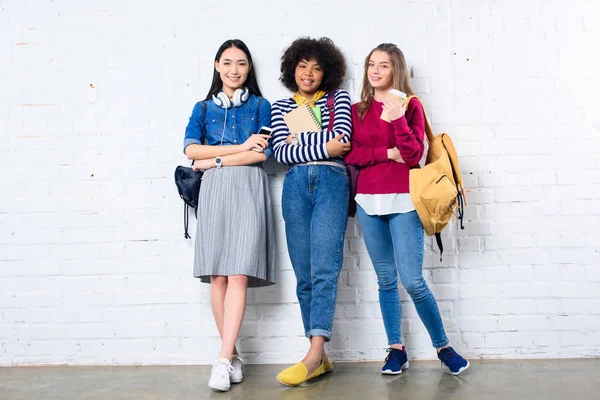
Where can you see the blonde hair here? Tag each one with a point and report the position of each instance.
(400, 76)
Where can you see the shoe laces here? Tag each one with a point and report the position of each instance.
(446, 354)
(391, 353)
(223, 368)
(235, 356)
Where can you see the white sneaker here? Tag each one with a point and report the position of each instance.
(219, 376)
(236, 375)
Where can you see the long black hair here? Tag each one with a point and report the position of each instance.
(217, 83)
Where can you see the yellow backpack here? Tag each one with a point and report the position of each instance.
(437, 188)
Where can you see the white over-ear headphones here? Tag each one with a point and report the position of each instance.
(239, 97)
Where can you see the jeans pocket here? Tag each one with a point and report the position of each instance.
(289, 171)
(338, 170)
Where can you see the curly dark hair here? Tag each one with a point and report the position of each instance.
(329, 57)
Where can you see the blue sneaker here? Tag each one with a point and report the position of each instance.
(455, 363)
(395, 362)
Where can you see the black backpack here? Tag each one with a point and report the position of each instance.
(188, 185)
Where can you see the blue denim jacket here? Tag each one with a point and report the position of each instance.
(242, 122)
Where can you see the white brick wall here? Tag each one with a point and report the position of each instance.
(94, 99)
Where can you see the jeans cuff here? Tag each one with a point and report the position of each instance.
(319, 332)
(441, 344)
(394, 341)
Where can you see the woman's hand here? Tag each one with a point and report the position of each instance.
(203, 164)
(394, 155)
(335, 148)
(256, 141)
(393, 107)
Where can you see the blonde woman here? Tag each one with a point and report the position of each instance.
(385, 151)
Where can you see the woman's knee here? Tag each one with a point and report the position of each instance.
(415, 287)
(238, 280)
(387, 282)
(220, 281)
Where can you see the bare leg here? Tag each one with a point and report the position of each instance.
(315, 354)
(235, 307)
(218, 288)
(438, 349)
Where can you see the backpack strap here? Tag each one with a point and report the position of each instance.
(186, 235)
(459, 183)
(438, 240)
(460, 198)
(331, 108)
(428, 131)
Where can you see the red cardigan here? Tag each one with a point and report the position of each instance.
(372, 137)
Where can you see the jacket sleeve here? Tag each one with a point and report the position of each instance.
(194, 132)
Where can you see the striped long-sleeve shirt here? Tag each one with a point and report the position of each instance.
(311, 146)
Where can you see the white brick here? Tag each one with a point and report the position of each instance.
(363, 279)
(592, 273)
(547, 273)
(443, 276)
(568, 323)
(572, 339)
(470, 276)
(579, 306)
(470, 307)
(574, 273)
(469, 244)
(365, 263)
(548, 306)
(368, 294)
(479, 197)
(576, 290)
(510, 306)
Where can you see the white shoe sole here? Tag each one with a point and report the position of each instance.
(462, 369)
(235, 380)
(217, 388)
(390, 372)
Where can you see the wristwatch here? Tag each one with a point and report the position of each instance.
(218, 162)
(295, 139)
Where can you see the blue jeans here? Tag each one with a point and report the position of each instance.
(315, 210)
(395, 246)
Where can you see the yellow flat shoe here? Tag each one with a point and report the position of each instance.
(327, 367)
(298, 374)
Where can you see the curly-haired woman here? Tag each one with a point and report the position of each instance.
(315, 190)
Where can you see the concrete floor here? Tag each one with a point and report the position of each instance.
(547, 379)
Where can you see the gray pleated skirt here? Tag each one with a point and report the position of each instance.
(235, 234)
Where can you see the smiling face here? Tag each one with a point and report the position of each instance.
(233, 67)
(380, 71)
(308, 75)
